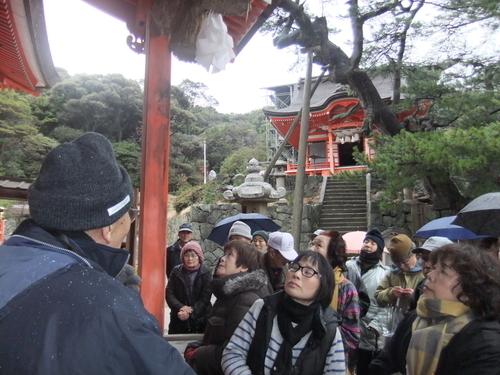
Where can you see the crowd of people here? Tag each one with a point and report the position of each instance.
(376, 319)
(69, 301)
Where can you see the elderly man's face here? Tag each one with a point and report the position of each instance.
(426, 263)
(185, 236)
(407, 264)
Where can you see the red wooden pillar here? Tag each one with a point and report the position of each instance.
(154, 175)
(330, 150)
(2, 231)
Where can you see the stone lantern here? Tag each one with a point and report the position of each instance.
(254, 194)
(279, 174)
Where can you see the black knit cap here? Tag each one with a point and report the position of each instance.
(376, 236)
(80, 186)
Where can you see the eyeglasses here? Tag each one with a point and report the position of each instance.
(306, 271)
(403, 262)
(190, 254)
(133, 213)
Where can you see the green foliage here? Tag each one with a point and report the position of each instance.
(210, 193)
(66, 134)
(44, 112)
(108, 104)
(237, 162)
(16, 119)
(128, 155)
(16, 123)
(197, 94)
(186, 161)
(224, 140)
(24, 155)
(470, 158)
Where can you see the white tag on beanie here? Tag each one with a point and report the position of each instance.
(117, 207)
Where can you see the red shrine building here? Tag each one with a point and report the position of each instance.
(331, 143)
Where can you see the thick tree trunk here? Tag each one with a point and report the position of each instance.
(376, 111)
(314, 35)
(445, 193)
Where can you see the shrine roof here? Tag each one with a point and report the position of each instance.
(25, 59)
(324, 95)
(240, 27)
(14, 188)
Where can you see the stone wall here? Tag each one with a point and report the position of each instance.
(204, 217)
(401, 219)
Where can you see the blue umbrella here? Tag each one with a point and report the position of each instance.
(254, 221)
(444, 228)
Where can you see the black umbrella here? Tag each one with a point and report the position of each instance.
(254, 221)
(482, 215)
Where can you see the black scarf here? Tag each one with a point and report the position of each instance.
(370, 258)
(290, 311)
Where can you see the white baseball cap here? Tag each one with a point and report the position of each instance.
(283, 242)
(432, 244)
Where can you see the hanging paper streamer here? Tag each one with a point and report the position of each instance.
(214, 46)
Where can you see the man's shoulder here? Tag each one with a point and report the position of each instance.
(175, 246)
(353, 263)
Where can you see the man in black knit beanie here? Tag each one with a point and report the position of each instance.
(62, 308)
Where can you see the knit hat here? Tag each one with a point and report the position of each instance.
(400, 247)
(80, 186)
(239, 228)
(191, 245)
(283, 242)
(186, 227)
(375, 235)
(261, 233)
(432, 244)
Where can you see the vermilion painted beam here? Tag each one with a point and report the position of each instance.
(154, 175)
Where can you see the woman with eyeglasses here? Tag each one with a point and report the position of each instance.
(189, 291)
(294, 331)
(455, 329)
(345, 301)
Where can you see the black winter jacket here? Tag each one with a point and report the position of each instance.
(235, 295)
(177, 298)
(475, 350)
(62, 313)
(173, 256)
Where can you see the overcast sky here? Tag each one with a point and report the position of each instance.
(85, 40)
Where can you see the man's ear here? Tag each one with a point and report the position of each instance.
(271, 253)
(101, 235)
(106, 233)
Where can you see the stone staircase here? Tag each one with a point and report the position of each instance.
(344, 207)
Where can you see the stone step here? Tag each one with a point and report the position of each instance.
(345, 196)
(343, 219)
(344, 200)
(343, 229)
(351, 188)
(342, 205)
(342, 215)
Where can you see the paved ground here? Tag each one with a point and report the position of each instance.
(180, 341)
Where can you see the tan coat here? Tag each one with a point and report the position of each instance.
(384, 295)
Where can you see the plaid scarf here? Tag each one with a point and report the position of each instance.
(437, 322)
